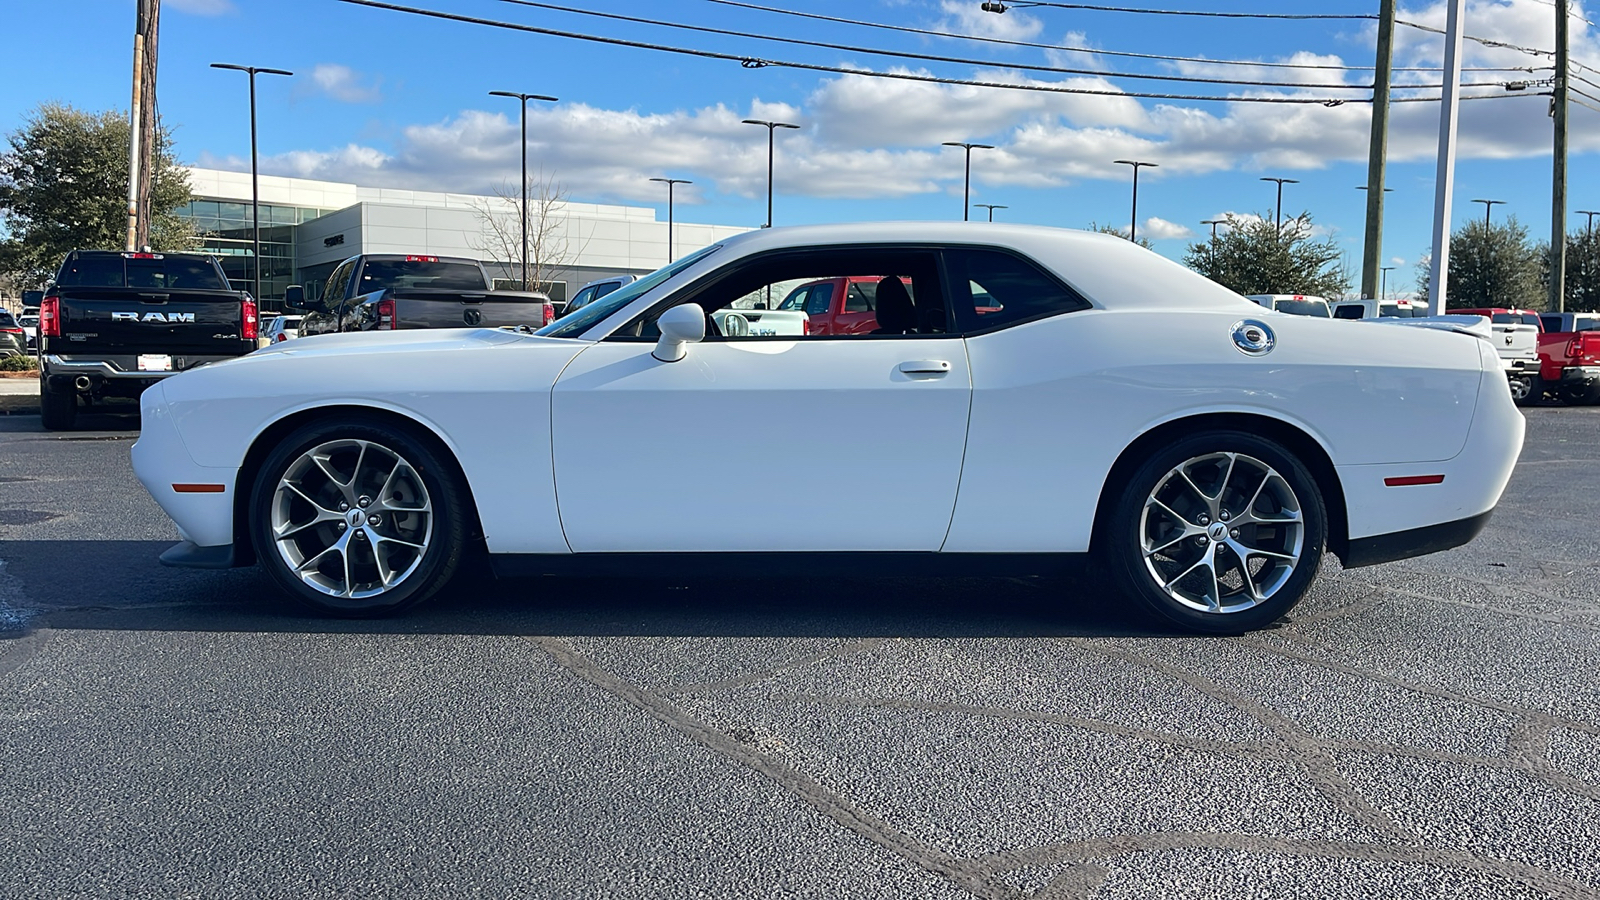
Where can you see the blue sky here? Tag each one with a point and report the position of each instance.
(390, 99)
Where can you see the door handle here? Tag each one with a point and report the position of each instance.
(925, 367)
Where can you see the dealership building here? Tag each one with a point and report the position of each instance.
(308, 227)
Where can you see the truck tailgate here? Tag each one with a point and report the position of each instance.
(119, 320)
(427, 308)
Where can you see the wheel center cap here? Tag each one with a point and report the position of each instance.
(1217, 532)
(355, 517)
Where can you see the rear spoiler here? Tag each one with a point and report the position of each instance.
(1477, 326)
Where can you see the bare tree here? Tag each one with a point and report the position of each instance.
(550, 246)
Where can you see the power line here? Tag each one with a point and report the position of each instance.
(932, 32)
(930, 57)
(1028, 4)
(751, 62)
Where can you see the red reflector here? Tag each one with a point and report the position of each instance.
(422, 259)
(549, 314)
(1408, 480)
(199, 488)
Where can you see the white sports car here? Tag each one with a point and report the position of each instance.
(1046, 395)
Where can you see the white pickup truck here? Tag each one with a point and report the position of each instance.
(1515, 339)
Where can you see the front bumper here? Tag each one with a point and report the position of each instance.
(199, 499)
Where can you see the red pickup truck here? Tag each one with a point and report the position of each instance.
(1569, 361)
(843, 305)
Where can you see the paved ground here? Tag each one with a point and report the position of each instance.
(1424, 729)
(21, 387)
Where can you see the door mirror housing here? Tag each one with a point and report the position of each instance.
(680, 326)
(294, 297)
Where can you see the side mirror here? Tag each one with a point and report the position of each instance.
(680, 326)
(294, 297)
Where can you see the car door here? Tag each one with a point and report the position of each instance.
(716, 452)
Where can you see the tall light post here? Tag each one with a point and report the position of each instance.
(1213, 223)
(670, 183)
(1488, 206)
(1278, 224)
(1591, 213)
(1383, 290)
(1133, 226)
(966, 191)
(255, 189)
(772, 128)
(523, 198)
(1488, 245)
(991, 207)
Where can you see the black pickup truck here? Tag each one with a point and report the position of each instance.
(383, 291)
(112, 324)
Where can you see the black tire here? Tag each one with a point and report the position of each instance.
(1579, 395)
(1534, 390)
(1262, 479)
(58, 410)
(351, 591)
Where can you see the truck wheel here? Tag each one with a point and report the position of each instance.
(58, 409)
(1579, 395)
(358, 518)
(1218, 533)
(1526, 390)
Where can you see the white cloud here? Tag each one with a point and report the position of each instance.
(1158, 229)
(344, 84)
(203, 7)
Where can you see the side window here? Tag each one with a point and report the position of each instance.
(1347, 312)
(1551, 323)
(820, 302)
(334, 294)
(859, 296)
(993, 289)
(584, 297)
(903, 282)
(601, 290)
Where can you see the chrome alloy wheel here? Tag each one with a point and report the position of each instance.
(1221, 533)
(351, 518)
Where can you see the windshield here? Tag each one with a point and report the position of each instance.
(29, 321)
(577, 323)
(1317, 308)
(400, 274)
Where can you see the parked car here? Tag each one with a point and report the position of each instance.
(1369, 308)
(1293, 304)
(846, 304)
(392, 292)
(114, 324)
(282, 328)
(594, 290)
(13, 339)
(30, 328)
(1117, 404)
(1570, 360)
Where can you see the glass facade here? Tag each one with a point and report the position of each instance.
(225, 230)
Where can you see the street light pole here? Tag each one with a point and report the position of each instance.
(670, 183)
(966, 191)
(1383, 291)
(1487, 206)
(1278, 224)
(772, 128)
(1133, 226)
(523, 199)
(1213, 223)
(255, 188)
(1591, 213)
(991, 207)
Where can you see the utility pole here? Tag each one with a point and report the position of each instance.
(141, 122)
(1445, 181)
(1378, 151)
(1558, 190)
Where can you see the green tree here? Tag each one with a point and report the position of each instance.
(64, 186)
(1491, 266)
(1254, 256)
(1119, 232)
(1583, 271)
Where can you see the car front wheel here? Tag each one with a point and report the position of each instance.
(358, 518)
(1219, 533)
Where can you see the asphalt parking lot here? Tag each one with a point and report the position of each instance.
(1428, 728)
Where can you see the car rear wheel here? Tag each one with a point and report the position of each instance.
(58, 409)
(1220, 533)
(358, 518)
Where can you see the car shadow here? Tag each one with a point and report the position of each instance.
(120, 585)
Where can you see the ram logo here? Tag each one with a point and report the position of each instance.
(167, 318)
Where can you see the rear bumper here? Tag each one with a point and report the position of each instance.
(1581, 375)
(1382, 548)
(120, 366)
